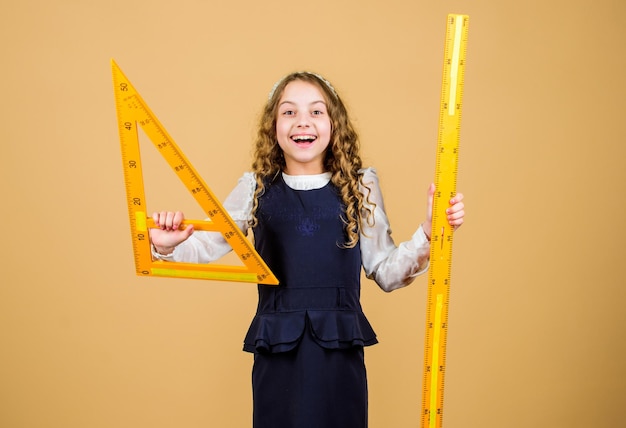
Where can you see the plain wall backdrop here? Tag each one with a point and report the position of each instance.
(537, 318)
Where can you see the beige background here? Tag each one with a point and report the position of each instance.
(537, 315)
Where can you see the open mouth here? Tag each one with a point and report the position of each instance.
(303, 139)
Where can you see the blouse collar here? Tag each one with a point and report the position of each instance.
(307, 182)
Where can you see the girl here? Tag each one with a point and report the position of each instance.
(317, 218)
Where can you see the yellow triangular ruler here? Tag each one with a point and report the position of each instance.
(441, 236)
(132, 113)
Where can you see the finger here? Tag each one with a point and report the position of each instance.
(431, 191)
(177, 220)
(453, 217)
(460, 206)
(169, 220)
(163, 220)
(430, 197)
(188, 231)
(457, 198)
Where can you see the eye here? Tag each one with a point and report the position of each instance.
(288, 113)
(317, 112)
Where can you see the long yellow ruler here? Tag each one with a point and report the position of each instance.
(132, 113)
(442, 233)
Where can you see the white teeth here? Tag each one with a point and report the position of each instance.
(303, 138)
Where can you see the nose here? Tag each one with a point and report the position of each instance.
(303, 120)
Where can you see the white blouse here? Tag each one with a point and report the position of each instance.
(389, 265)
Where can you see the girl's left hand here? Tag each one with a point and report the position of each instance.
(455, 212)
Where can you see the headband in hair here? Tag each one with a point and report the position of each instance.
(326, 82)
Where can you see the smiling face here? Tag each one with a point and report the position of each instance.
(303, 128)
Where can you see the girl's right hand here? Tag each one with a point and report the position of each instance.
(168, 234)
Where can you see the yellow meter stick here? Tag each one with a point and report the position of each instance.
(441, 236)
(132, 113)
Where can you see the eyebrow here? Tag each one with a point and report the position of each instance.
(311, 103)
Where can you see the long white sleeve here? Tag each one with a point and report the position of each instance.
(391, 266)
(206, 247)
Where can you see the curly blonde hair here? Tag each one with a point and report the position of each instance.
(342, 157)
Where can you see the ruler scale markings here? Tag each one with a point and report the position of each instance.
(435, 359)
(454, 73)
(132, 112)
(442, 233)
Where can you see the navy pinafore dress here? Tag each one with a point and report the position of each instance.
(309, 332)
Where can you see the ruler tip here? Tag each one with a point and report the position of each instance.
(455, 16)
(114, 65)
